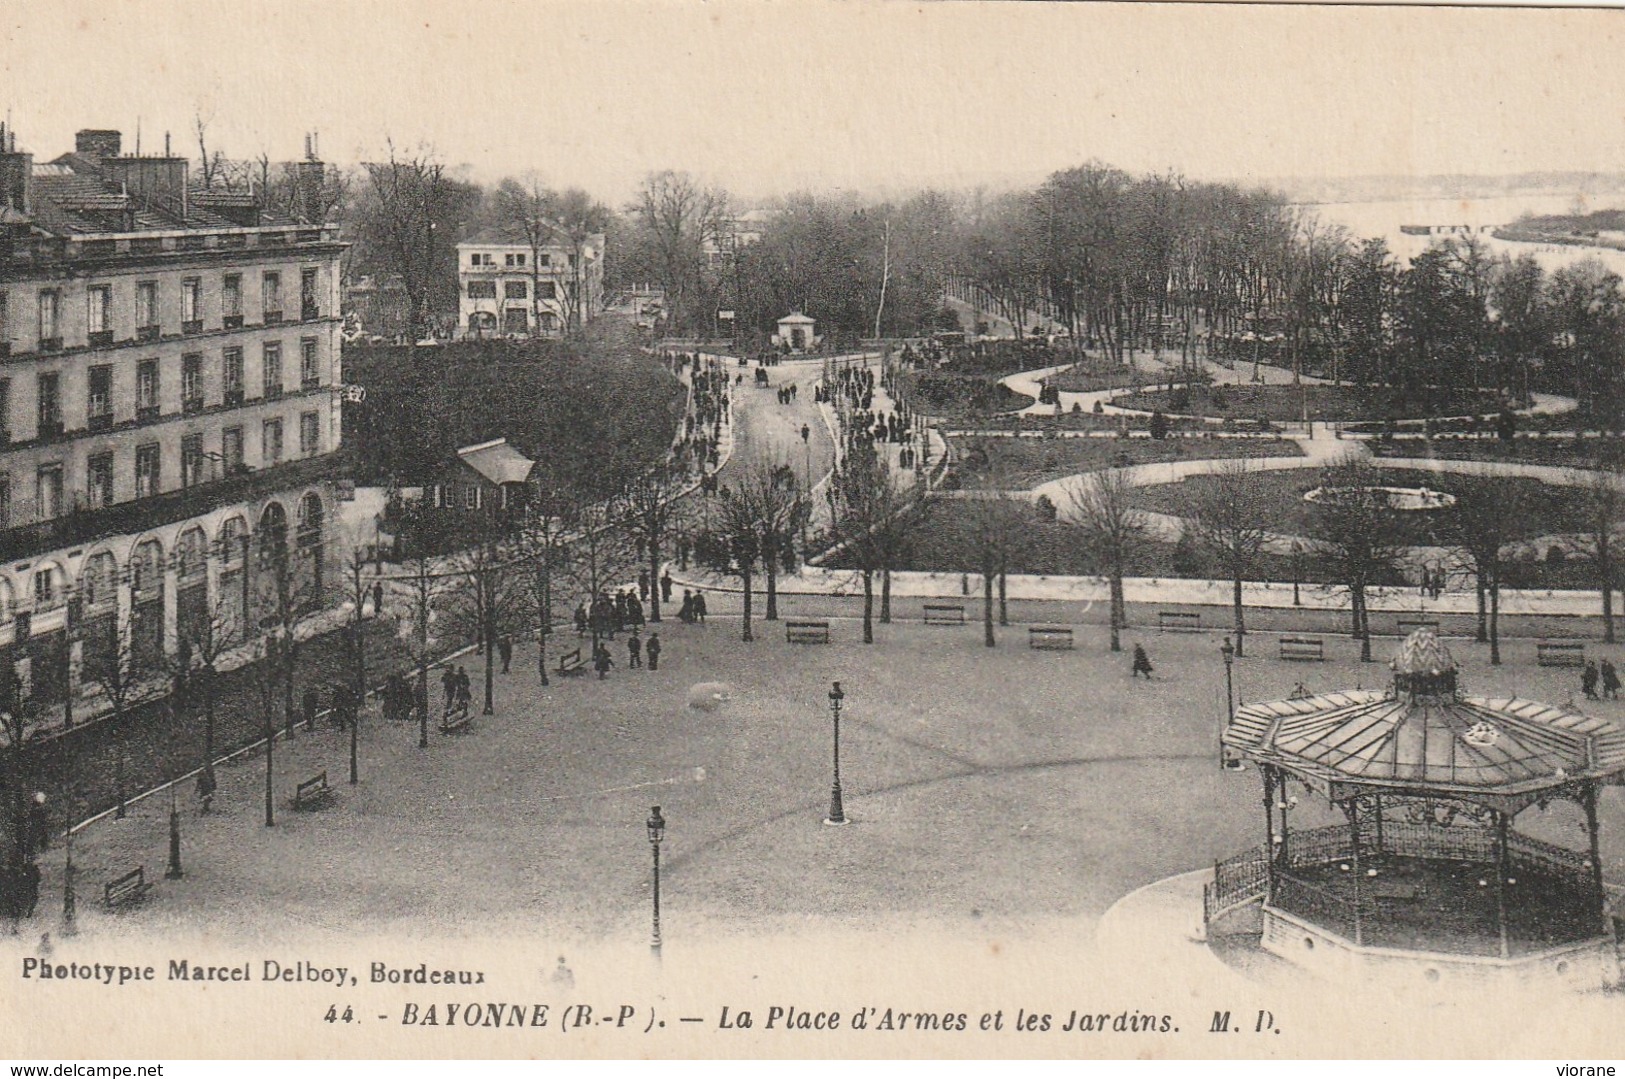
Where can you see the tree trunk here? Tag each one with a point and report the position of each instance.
(770, 564)
(1483, 626)
(745, 634)
(1240, 620)
(1605, 574)
(654, 580)
(868, 607)
(1004, 608)
(488, 630)
(885, 596)
(987, 605)
(1364, 624)
(270, 790)
(1117, 609)
(1495, 620)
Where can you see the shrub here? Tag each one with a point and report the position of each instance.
(1555, 555)
(1159, 425)
(1046, 508)
(1180, 400)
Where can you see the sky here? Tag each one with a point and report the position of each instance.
(770, 96)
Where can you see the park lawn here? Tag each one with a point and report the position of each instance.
(960, 397)
(1326, 403)
(1024, 463)
(1560, 452)
(1281, 507)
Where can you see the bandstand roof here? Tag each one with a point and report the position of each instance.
(1422, 737)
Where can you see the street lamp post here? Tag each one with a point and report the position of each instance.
(657, 831)
(1228, 651)
(837, 812)
(174, 871)
(353, 717)
(1297, 572)
(70, 923)
(806, 445)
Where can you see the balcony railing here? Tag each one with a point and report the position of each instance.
(273, 318)
(100, 421)
(191, 326)
(234, 398)
(192, 405)
(146, 412)
(83, 525)
(309, 312)
(232, 322)
(101, 338)
(272, 393)
(50, 428)
(50, 344)
(148, 333)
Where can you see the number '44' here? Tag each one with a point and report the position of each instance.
(334, 1016)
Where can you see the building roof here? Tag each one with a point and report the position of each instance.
(497, 461)
(796, 318)
(509, 236)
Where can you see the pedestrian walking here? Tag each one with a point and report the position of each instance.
(581, 620)
(653, 649)
(699, 605)
(602, 662)
(665, 588)
(643, 585)
(634, 652)
(1142, 663)
(308, 706)
(377, 598)
(505, 649)
(686, 614)
(1588, 679)
(448, 682)
(464, 687)
(1610, 680)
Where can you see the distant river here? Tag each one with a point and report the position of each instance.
(1367, 219)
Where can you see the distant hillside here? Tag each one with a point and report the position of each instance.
(1595, 185)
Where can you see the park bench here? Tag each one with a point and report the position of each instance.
(313, 793)
(455, 720)
(1304, 649)
(1179, 620)
(1560, 654)
(570, 664)
(1408, 626)
(1049, 638)
(127, 890)
(944, 614)
(806, 632)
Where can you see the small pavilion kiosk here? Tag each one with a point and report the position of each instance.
(796, 332)
(1427, 877)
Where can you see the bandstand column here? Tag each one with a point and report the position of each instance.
(1501, 869)
(1282, 855)
(1351, 810)
(1589, 800)
(1267, 774)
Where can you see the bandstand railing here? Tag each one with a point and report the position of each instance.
(1237, 880)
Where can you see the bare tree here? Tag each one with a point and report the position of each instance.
(1602, 503)
(1355, 534)
(412, 195)
(651, 512)
(599, 552)
(676, 217)
(1110, 527)
(995, 521)
(482, 587)
(1227, 519)
(1481, 525)
(546, 543)
(868, 507)
(734, 542)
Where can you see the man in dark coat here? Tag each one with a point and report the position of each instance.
(653, 649)
(1142, 663)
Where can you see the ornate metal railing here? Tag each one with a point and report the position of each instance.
(1238, 880)
(1317, 904)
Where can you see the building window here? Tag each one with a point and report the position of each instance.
(310, 434)
(100, 314)
(192, 382)
(271, 295)
(516, 290)
(231, 296)
(146, 305)
(309, 308)
(516, 260)
(146, 389)
(44, 587)
(50, 404)
(231, 450)
(232, 376)
(48, 491)
(515, 320)
(50, 328)
(272, 443)
(546, 290)
(482, 290)
(100, 407)
(191, 460)
(191, 305)
(544, 259)
(99, 480)
(471, 497)
(147, 461)
(310, 373)
(271, 369)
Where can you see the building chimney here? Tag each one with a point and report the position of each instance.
(98, 144)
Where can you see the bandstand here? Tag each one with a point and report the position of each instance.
(1426, 879)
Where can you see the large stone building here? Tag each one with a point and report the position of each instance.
(169, 357)
(508, 286)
